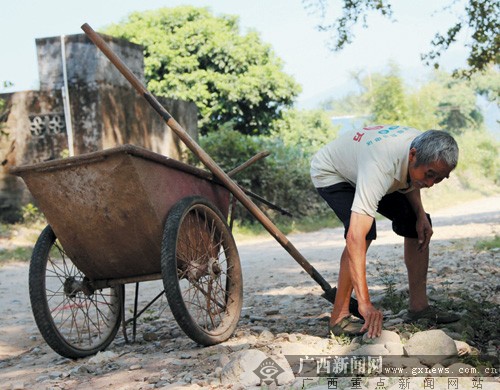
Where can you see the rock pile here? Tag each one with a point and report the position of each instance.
(172, 363)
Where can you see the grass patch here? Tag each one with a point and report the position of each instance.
(16, 254)
(482, 318)
(17, 240)
(5, 230)
(486, 245)
(343, 339)
(393, 299)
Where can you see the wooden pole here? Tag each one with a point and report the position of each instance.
(205, 158)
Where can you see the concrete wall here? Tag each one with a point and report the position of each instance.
(85, 64)
(105, 112)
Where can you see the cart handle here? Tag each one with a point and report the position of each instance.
(249, 162)
(205, 158)
(245, 165)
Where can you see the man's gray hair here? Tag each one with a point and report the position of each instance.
(436, 145)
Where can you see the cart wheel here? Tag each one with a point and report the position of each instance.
(74, 319)
(201, 271)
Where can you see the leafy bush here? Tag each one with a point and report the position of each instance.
(479, 157)
(31, 214)
(308, 130)
(282, 178)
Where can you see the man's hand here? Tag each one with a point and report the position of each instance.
(373, 320)
(424, 231)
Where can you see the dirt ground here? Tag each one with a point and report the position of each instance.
(272, 280)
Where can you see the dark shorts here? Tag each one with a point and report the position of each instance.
(394, 206)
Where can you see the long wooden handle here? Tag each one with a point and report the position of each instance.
(205, 158)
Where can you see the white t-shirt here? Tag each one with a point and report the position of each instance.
(373, 159)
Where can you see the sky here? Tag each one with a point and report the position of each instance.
(284, 24)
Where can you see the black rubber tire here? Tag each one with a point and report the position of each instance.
(200, 267)
(53, 297)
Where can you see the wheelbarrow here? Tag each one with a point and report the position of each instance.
(128, 215)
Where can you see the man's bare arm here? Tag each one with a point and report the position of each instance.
(416, 202)
(359, 226)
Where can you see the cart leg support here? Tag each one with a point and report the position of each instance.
(121, 292)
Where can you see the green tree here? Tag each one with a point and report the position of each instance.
(192, 55)
(444, 101)
(457, 108)
(354, 103)
(422, 104)
(478, 19)
(383, 97)
(308, 130)
(388, 99)
(487, 84)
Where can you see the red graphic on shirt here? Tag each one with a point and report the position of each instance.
(373, 128)
(358, 137)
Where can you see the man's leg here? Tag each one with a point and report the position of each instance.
(417, 264)
(397, 208)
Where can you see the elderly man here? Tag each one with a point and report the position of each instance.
(382, 169)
